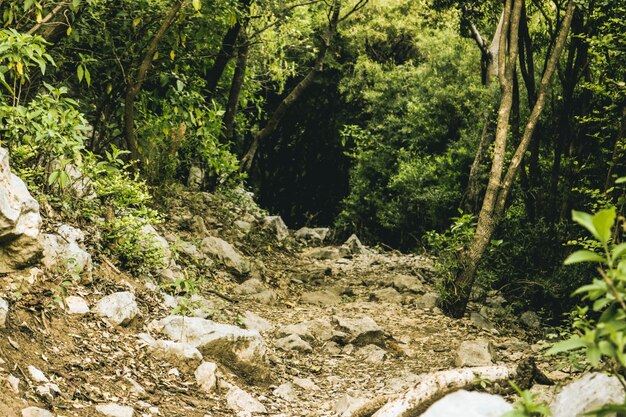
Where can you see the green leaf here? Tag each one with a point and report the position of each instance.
(620, 180)
(80, 72)
(197, 4)
(583, 256)
(53, 177)
(87, 77)
(574, 343)
(586, 221)
(619, 251)
(603, 222)
(593, 355)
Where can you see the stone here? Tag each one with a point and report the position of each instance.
(20, 221)
(360, 331)
(250, 286)
(181, 355)
(76, 305)
(206, 376)
(14, 383)
(347, 405)
(427, 301)
(293, 342)
(314, 276)
(226, 253)
(469, 404)
(286, 391)
(195, 178)
(407, 283)
(354, 246)
(79, 186)
(240, 349)
(313, 235)
(319, 329)
(387, 295)
(321, 298)
(37, 375)
(306, 384)
(473, 353)
(36, 412)
(244, 226)
(267, 297)
(531, 320)
(372, 354)
(239, 400)
(590, 392)
(481, 321)
(118, 308)
(115, 410)
(149, 237)
(252, 321)
(324, 254)
(64, 251)
(4, 312)
(276, 226)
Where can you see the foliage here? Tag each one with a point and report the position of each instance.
(603, 335)
(527, 405)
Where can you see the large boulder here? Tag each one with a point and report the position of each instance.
(276, 226)
(226, 253)
(118, 308)
(240, 349)
(469, 404)
(20, 221)
(590, 392)
(64, 251)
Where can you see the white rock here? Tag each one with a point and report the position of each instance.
(20, 220)
(252, 321)
(151, 238)
(206, 376)
(4, 311)
(314, 235)
(195, 178)
(306, 384)
(115, 410)
(346, 405)
(319, 329)
(286, 392)
(118, 308)
(36, 412)
(37, 375)
(239, 401)
(225, 252)
(231, 343)
(362, 331)
(76, 305)
(250, 286)
(354, 246)
(469, 404)
(473, 353)
(588, 393)
(14, 383)
(276, 226)
(64, 251)
(293, 342)
(372, 354)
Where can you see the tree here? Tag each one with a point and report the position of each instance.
(499, 186)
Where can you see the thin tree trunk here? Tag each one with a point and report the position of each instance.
(134, 86)
(618, 151)
(232, 107)
(498, 188)
(296, 93)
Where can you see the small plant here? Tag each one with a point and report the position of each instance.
(600, 329)
(527, 405)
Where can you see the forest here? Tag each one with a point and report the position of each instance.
(486, 135)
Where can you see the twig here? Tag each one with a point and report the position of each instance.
(46, 19)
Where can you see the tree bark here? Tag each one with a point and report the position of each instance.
(134, 86)
(232, 107)
(498, 188)
(295, 93)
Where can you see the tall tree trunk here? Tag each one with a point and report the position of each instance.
(134, 85)
(498, 188)
(296, 92)
(232, 107)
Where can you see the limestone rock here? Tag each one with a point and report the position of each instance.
(226, 253)
(306, 384)
(346, 405)
(4, 311)
(361, 331)
(293, 342)
(321, 298)
(427, 301)
(20, 221)
(118, 308)
(240, 349)
(76, 305)
(244, 226)
(206, 376)
(36, 412)
(588, 393)
(473, 353)
(250, 286)
(276, 226)
(37, 375)
(286, 391)
(354, 246)
(252, 321)
(151, 238)
(239, 400)
(372, 354)
(64, 251)
(313, 235)
(481, 321)
(387, 295)
(181, 355)
(531, 320)
(195, 178)
(407, 283)
(317, 329)
(115, 410)
(469, 404)
(323, 254)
